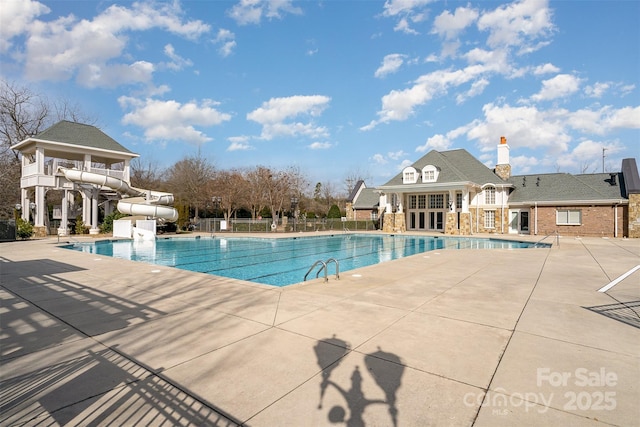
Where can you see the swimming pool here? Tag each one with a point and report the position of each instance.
(281, 261)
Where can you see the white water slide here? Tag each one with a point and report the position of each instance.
(155, 204)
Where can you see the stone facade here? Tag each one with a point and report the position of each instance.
(501, 223)
(503, 171)
(452, 227)
(394, 223)
(634, 215)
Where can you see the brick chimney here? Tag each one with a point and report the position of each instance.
(503, 168)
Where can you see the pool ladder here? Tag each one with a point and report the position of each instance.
(324, 267)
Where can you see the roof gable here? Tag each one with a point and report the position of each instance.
(367, 199)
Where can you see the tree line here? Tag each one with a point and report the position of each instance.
(258, 191)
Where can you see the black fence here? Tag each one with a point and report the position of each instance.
(216, 225)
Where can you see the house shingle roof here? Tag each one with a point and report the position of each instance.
(454, 166)
(368, 199)
(82, 135)
(564, 187)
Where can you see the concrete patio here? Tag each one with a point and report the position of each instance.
(445, 338)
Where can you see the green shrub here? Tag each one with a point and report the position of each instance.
(80, 227)
(334, 212)
(24, 229)
(107, 224)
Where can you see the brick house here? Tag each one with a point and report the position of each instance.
(454, 193)
(363, 203)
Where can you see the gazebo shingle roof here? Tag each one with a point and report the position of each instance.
(82, 135)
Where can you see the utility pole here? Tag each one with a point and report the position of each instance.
(603, 150)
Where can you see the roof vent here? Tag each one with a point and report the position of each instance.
(538, 182)
(524, 181)
(612, 179)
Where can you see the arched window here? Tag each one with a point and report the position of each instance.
(490, 195)
(430, 173)
(409, 175)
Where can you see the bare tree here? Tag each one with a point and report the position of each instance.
(257, 179)
(146, 174)
(352, 179)
(189, 181)
(22, 114)
(231, 188)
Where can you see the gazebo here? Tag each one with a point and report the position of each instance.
(69, 145)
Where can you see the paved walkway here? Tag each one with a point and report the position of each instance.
(446, 338)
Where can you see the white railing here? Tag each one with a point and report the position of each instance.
(30, 169)
(109, 172)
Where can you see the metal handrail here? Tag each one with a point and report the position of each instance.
(330, 260)
(550, 234)
(324, 267)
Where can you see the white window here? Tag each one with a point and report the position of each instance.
(409, 176)
(436, 201)
(412, 202)
(458, 200)
(429, 173)
(489, 219)
(422, 201)
(490, 196)
(568, 217)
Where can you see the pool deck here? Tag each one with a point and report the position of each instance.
(445, 338)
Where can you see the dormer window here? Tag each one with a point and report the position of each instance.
(429, 173)
(409, 175)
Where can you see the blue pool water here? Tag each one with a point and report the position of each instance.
(282, 261)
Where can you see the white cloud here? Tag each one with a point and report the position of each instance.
(477, 87)
(16, 18)
(406, 11)
(436, 142)
(523, 164)
(239, 143)
(623, 118)
(551, 131)
(177, 62)
(320, 145)
(396, 155)
(400, 104)
(92, 50)
(390, 64)
(251, 11)
(449, 25)
(520, 24)
(111, 76)
(171, 120)
(379, 159)
(547, 68)
(597, 90)
(275, 115)
(226, 40)
(559, 86)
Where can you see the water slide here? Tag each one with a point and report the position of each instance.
(155, 204)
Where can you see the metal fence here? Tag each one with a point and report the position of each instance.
(216, 225)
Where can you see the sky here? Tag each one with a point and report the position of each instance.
(341, 89)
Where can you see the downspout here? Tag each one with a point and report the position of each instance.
(536, 218)
(477, 212)
(615, 220)
(502, 214)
